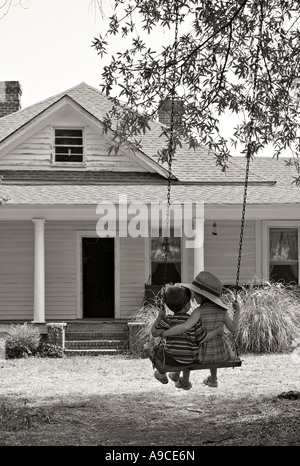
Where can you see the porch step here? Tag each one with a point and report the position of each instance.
(90, 352)
(75, 336)
(94, 338)
(117, 326)
(97, 344)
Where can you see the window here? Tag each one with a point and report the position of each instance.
(173, 266)
(68, 145)
(283, 255)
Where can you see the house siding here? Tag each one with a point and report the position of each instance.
(132, 275)
(16, 270)
(61, 268)
(36, 152)
(61, 273)
(221, 251)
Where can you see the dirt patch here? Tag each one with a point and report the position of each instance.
(108, 401)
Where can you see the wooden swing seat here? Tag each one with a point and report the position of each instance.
(162, 368)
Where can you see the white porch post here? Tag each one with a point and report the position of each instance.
(199, 248)
(39, 271)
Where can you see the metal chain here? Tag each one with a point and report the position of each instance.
(248, 156)
(249, 146)
(170, 150)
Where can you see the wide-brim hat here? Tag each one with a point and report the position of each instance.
(208, 285)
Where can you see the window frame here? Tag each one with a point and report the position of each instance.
(281, 225)
(71, 164)
(150, 260)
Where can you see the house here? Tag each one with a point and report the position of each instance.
(57, 181)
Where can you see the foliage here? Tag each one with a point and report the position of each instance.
(141, 341)
(228, 58)
(25, 340)
(48, 350)
(270, 318)
(22, 341)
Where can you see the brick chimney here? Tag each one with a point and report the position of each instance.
(164, 111)
(10, 97)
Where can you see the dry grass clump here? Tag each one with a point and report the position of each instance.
(141, 322)
(270, 318)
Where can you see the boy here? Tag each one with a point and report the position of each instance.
(180, 349)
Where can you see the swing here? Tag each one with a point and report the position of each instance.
(232, 361)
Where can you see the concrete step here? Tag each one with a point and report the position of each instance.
(91, 352)
(96, 336)
(96, 344)
(115, 326)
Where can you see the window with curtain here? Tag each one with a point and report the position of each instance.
(173, 267)
(283, 255)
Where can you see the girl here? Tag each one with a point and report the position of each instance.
(212, 312)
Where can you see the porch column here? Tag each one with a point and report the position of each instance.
(199, 247)
(39, 271)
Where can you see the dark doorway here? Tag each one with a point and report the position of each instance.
(98, 277)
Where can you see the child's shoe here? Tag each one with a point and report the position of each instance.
(178, 384)
(174, 376)
(208, 382)
(162, 378)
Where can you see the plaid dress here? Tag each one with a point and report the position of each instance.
(217, 349)
(182, 348)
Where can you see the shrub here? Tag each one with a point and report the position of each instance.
(22, 341)
(48, 350)
(141, 340)
(270, 318)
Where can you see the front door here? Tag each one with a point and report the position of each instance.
(98, 277)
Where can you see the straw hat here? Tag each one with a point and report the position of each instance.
(208, 285)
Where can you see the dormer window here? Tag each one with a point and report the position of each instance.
(68, 146)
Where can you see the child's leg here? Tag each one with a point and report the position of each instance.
(174, 376)
(184, 381)
(213, 375)
(185, 378)
(211, 381)
(161, 377)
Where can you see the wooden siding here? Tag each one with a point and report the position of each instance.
(36, 152)
(221, 251)
(60, 268)
(16, 270)
(17, 265)
(97, 157)
(132, 274)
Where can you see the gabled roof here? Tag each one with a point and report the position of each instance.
(189, 166)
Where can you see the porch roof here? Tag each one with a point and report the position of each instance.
(80, 195)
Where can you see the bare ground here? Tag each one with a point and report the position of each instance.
(115, 401)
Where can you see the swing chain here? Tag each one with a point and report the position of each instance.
(250, 142)
(248, 156)
(170, 149)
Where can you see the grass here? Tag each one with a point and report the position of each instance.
(115, 400)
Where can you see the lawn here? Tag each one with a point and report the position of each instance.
(115, 400)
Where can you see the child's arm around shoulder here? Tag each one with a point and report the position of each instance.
(232, 324)
(155, 331)
(187, 325)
